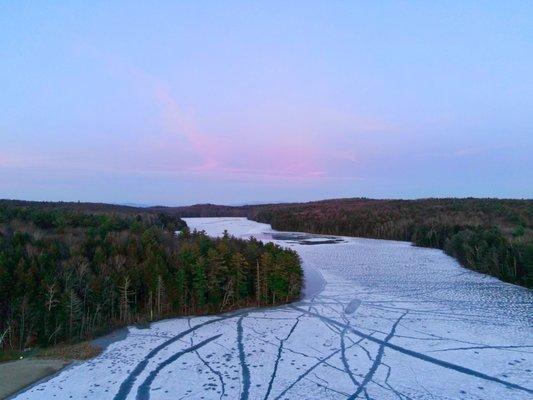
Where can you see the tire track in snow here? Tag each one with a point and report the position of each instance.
(215, 372)
(307, 372)
(143, 392)
(244, 365)
(280, 351)
(208, 365)
(127, 384)
(377, 361)
(344, 360)
(420, 356)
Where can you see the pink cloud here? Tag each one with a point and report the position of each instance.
(276, 155)
(248, 155)
(179, 147)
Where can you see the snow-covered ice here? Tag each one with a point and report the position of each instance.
(379, 320)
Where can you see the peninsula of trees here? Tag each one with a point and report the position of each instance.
(71, 271)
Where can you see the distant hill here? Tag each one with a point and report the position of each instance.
(78, 206)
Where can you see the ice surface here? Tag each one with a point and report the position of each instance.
(379, 320)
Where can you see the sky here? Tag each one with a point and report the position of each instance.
(244, 101)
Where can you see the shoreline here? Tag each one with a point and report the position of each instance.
(18, 376)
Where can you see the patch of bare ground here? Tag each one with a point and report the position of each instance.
(18, 375)
(78, 351)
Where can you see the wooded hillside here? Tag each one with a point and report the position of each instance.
(69, 273)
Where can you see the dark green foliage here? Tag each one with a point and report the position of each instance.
(488, 235)
(68, 275)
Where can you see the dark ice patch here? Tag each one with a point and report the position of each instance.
(305, 239)
(352, 306)
(325, 241)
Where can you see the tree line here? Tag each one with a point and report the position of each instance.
(67, 275)
(493, 236)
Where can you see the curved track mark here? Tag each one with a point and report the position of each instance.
(420, 356)
(126, 386)
(143, 392)
(244, 365)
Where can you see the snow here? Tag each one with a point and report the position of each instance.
(379, 320)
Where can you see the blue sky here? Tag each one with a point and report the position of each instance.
(234, 102)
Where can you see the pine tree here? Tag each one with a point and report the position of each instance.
(217, 276)
(199, 284)
(74, 312)
(180, 289)
(239, 272)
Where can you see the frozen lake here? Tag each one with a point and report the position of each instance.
(379, 320)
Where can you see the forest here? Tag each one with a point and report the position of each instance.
(492, 236)
(487, 235)
(72, 271)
